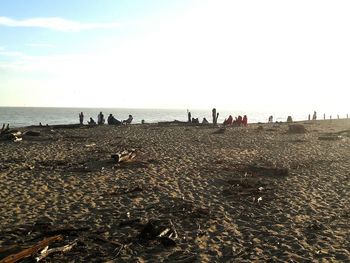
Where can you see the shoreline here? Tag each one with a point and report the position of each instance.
(177, 122)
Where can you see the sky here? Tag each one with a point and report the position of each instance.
(248, 55)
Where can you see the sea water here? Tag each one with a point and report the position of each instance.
(26, 116)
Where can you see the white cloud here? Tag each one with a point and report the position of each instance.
(40, 45)
(10, 53)
(55, 23)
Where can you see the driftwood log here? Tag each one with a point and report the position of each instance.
(125, 156)
(269, 171)
(31, 251)
(46, 252)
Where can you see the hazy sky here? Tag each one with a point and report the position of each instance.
(248, 55)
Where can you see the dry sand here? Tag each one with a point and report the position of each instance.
(198, 181)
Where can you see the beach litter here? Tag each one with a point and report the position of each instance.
(162, 231)
(125, 156)
(14, 135)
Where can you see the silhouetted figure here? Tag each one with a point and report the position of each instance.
(330, 117)
(271, 119)
(205, 121)
(128, 120)
(314, 117)
(309, 117)
(289, 119)
(91, 122)
(100, 119)
(189, 116)
(195, 120)
(324, 116)
(214, 116)
(347, 116)
(239, 120)
(245, 120)
(5, 130)
(81, 118)
(113, 121)
(229, 120)
(338, 116)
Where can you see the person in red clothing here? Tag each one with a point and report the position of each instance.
(229, 120)
(245, 120)
(239, 120)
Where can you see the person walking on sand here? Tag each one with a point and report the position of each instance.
(81, 118)
(314, 117)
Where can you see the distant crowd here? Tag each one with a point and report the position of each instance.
(229, 121)
(238, 121)
(111, 120)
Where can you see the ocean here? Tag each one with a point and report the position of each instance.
(26, 116)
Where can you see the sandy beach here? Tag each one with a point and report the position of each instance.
(240, 194)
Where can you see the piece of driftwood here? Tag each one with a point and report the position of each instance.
(32, 133)
(14, 136)
(46, 252)
(296, 128)
(330, 137)
(219, 131)
(125, 156)
(269, 171)
(31, 251)
(5, 249)
(162, 123)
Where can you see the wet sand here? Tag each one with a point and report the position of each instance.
(218, 189)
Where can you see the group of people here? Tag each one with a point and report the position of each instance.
(195, 120)
(238, 121)
(111, 120)
(314, 116)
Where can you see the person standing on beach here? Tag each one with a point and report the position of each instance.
(215, 116)
(245, 120)
(189, 116)
(100, 118)
(81, 118)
